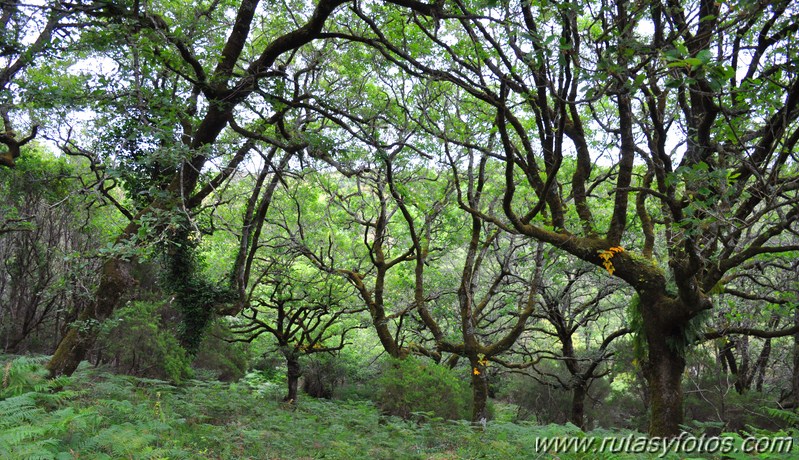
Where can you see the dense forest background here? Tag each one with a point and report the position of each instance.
(514, 213)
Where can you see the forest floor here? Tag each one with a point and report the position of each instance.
(99, 415)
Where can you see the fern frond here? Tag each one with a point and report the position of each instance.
(21, 435)
(787, 416)
(18, 410)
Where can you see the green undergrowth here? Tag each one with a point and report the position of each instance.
(99, 415)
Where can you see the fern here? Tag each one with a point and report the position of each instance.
(31, 425)
(123, 440)
(21, 430)
(16, 436)
(787, 416)
(27, 374)
(22, 375)
(691, 334)
(18, 410)
(44, 449)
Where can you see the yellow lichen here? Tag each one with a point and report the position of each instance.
(606, 255)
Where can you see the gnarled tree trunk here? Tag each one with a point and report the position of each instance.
(479, 392)
(663, 372)
(115, 281)
(665, 364)
(292, 375)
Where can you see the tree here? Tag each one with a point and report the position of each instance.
(575, 305)
(655, 141)
(304, 313)
(30, 32)
(757, 303)
(496, 301)
(454, 284)
(190, 134)
(365, 207)
(704, 95)
(206, 97)
(48, 250)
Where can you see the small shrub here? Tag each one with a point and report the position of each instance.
(135, 342)
(411, 386)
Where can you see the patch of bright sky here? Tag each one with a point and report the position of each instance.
(77, 120)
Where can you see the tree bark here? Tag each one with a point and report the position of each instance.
(742, 379)
(760, 366)
(293, 376)
(664, 367)
(664, 376)
(577, 416)
(728, 362)
(795, 373)
(479, 393)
